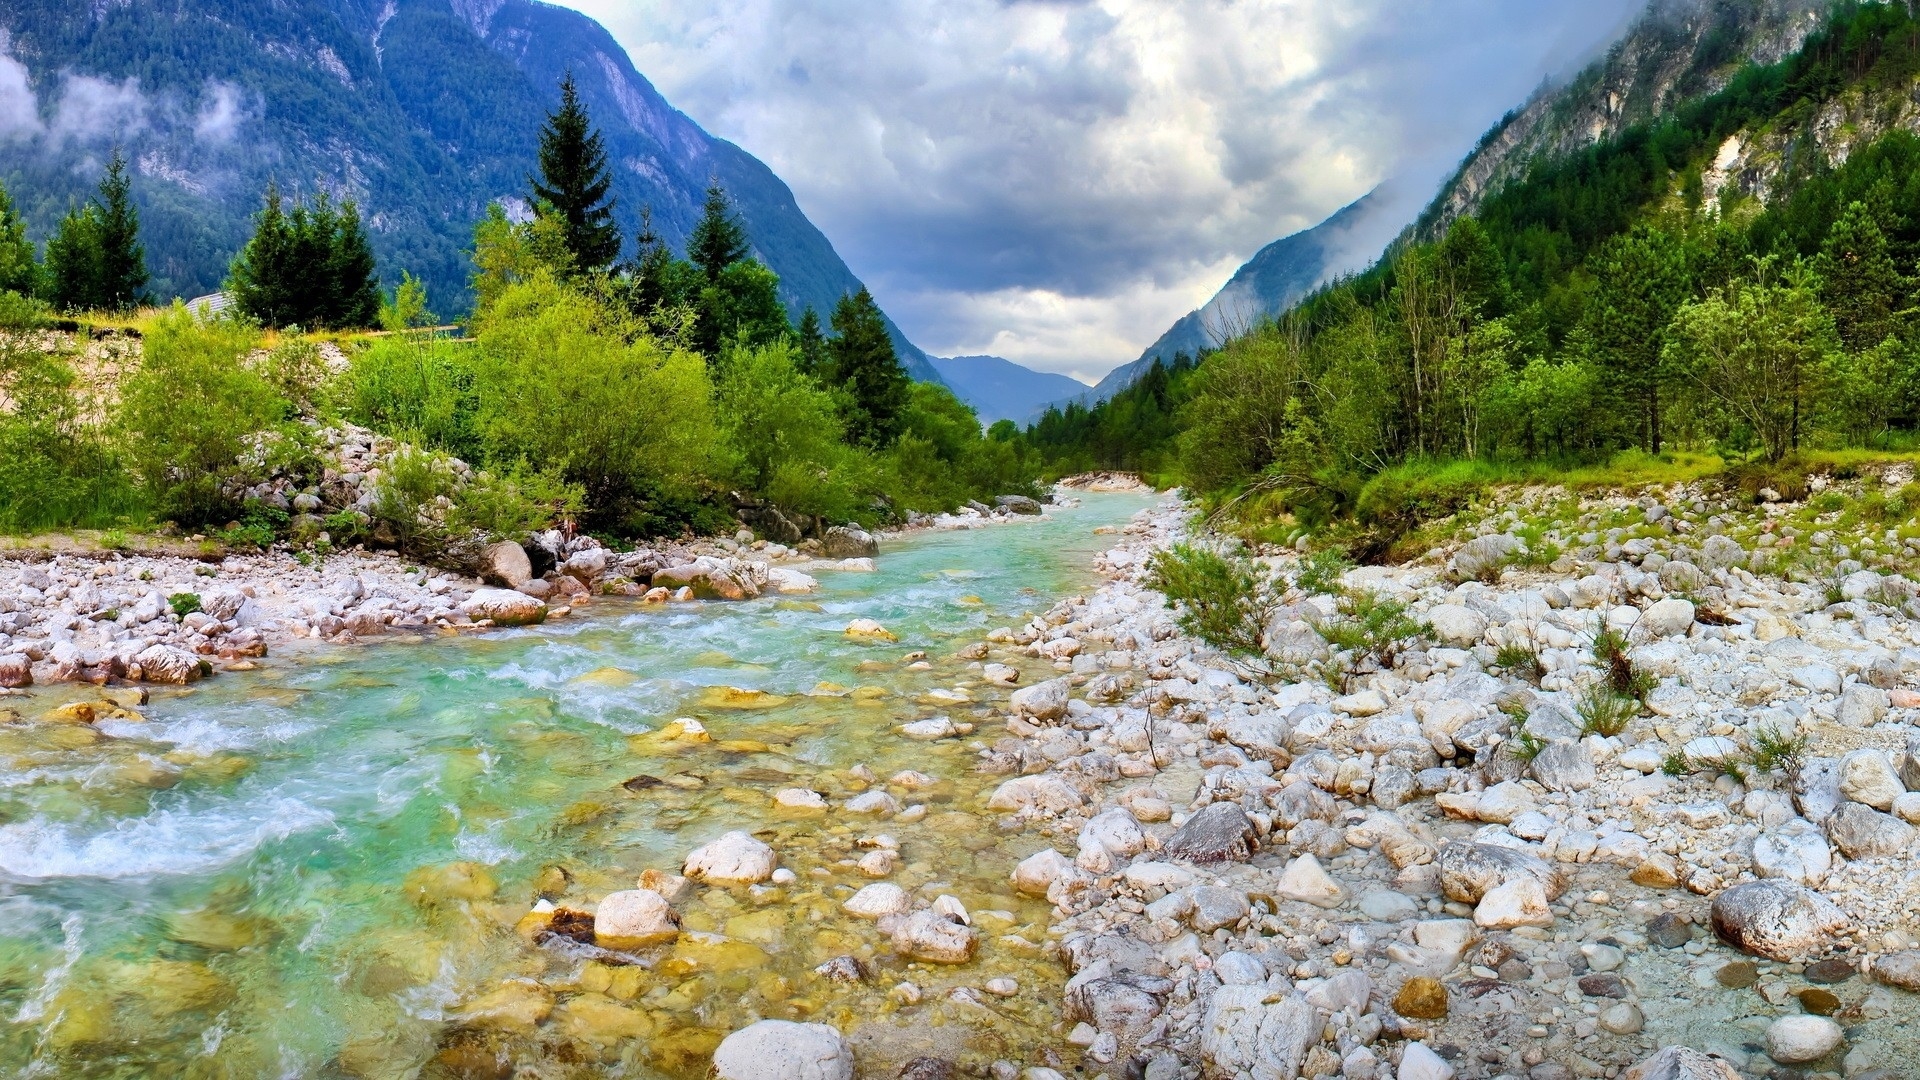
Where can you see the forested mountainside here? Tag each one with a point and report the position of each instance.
(999, 389)
(423, 111)
(1732, 278)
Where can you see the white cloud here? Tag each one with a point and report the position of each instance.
(219, 115)
(1064, 179)
(98, 110)
(19, 109)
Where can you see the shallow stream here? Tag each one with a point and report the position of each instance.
(316, 868)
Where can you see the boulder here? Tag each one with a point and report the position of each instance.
(1796, 1040)
(1242, 1034)
(1417, 1062)
(1218, 832)
(1666, 618)
(1037, 872)
(1861, 832)
(1123, 1004)
(1017, 504)
(1901, 969)
(1866, 776)
(1468, 871)
(783, 1050)
(709, 578)
(16, 670)
(1681, 1063)
(879, 900)
(1482, 558)
(506, 607)
(1520, 902)
(634, 919)
(1046, 793)
(1458, 626)
(506, 565)
(1720, 553)
(1306, 881)
(1795, 851)
(848, 542)
(1862, 706)
(166, 664)
(1564, 766)
(734, 859)
(1042, 701)
(1777, 919)
(930, 936)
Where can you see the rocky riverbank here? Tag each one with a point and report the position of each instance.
(1432, 870)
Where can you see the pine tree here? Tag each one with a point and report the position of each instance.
(861, 362)
(1860, 284)
(73, 261)
(350, 273)
(718, 240)
(813, 344)
(574, 181)
(123, 262)
(261, 275)
(17, 270)
(1642, 279)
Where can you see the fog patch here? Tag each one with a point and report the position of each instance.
(93, 110)
(19, 109)
(220, 114)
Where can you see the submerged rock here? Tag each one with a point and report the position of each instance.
(733, 859)
(783, 1050)
(1777, 919)
(633, 919)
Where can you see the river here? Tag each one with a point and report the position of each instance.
(315, 869)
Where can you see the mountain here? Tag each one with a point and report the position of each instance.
(423, 111)
(1677, 51)
(1272, 281)
(1001, 389)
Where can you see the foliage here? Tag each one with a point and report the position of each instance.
(862, 367)
(183, 456)
(310, 266)
(56, 467)
(421, 390)
(19, 273)
(1321, 572)
(574, 182)
(1525, 745)
(1372, 626)
(785, 432)
(94, 260)
(408, 308)
(1775, 751)
(1602, 711)
(1224, 600)
(184, 603)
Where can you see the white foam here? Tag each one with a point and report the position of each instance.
(162, 843)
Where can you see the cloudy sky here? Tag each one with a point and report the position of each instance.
(1057, 181)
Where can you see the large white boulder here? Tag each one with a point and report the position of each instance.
(783, 1050)
(733, 859)
(505, 607)
(633, 919)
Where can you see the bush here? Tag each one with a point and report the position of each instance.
(1320, 572)
(1401, 499)
(1224, 600)
(415, 389)
(19, 312)
(1604, 712)
(1371, 626)
(183, 455)
(786, 437)
(622, 420)
(56, 469)
(184, 603)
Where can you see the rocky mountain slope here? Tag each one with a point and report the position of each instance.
(1000, 389)
(424, 111)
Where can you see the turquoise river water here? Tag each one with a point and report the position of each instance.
(316, 869)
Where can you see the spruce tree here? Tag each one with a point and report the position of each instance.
(123, 262)
(1642, 280)
(262, 274)
(862, 363)
(73, 261)
(813, 344)
(718, 240)
(574, 181)
(17, 270)
(350, 267)
(310, 266)
(1860, 284)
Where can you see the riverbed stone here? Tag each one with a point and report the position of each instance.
(1421, 998)
(1244, 1033)
(1217, 832)
(1901, 969)
(1036, 873)
(879, 900)
(1419, 1062)
(929, 936)
(1681, 1063)
(1797, 1040)
(1866, 776)
(633, 919)
(1519, 902)
(1042, 701)
(783, 1050)
(1666, 618)
(1043, 792)
(734, 859)
(506, 565)
(849, 542)
(1777, 920)
(1861, 832)
(1796, 851)
(506, 607)
(1468, 871)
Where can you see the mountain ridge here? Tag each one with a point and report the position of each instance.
(424, 111)
(1000, 389)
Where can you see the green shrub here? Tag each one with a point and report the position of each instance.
(1320, 572)
(1401, 499)
(1520, 661)
(19, 312)
(1371, 625)
(1224, 600)
(1773, 750)
(786, 437)
(189, 411)
(416, 389)
(1604, 712)
(57, 469)
(184, 603)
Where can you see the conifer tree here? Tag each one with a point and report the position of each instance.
(718, 240)
(813, 344)
(123, 262)
(862, 363)
(1860, 284)
(73, 260)
(1642, 281)
(574, 181)
(18, 272)
(311, 266)
(354, 288)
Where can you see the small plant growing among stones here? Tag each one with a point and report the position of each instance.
(1774, 751)
(1520, 661)
(1224, 600)
(184, 603)
(1675, 764)
(1603, 711)
(1370, 625)
(1610, 652)
(1525, 745)
(1320, 572)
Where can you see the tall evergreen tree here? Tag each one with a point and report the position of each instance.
(813, 344)
(73, 260)
(1642, 279)
(1860, 284)
(311, 266)
(718, 240)
(574, 181)
(17, 270)
(861, 363)
(123, 262)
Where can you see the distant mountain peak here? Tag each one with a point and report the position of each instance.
(999, 389)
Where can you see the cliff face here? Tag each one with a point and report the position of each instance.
(1676, 51)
